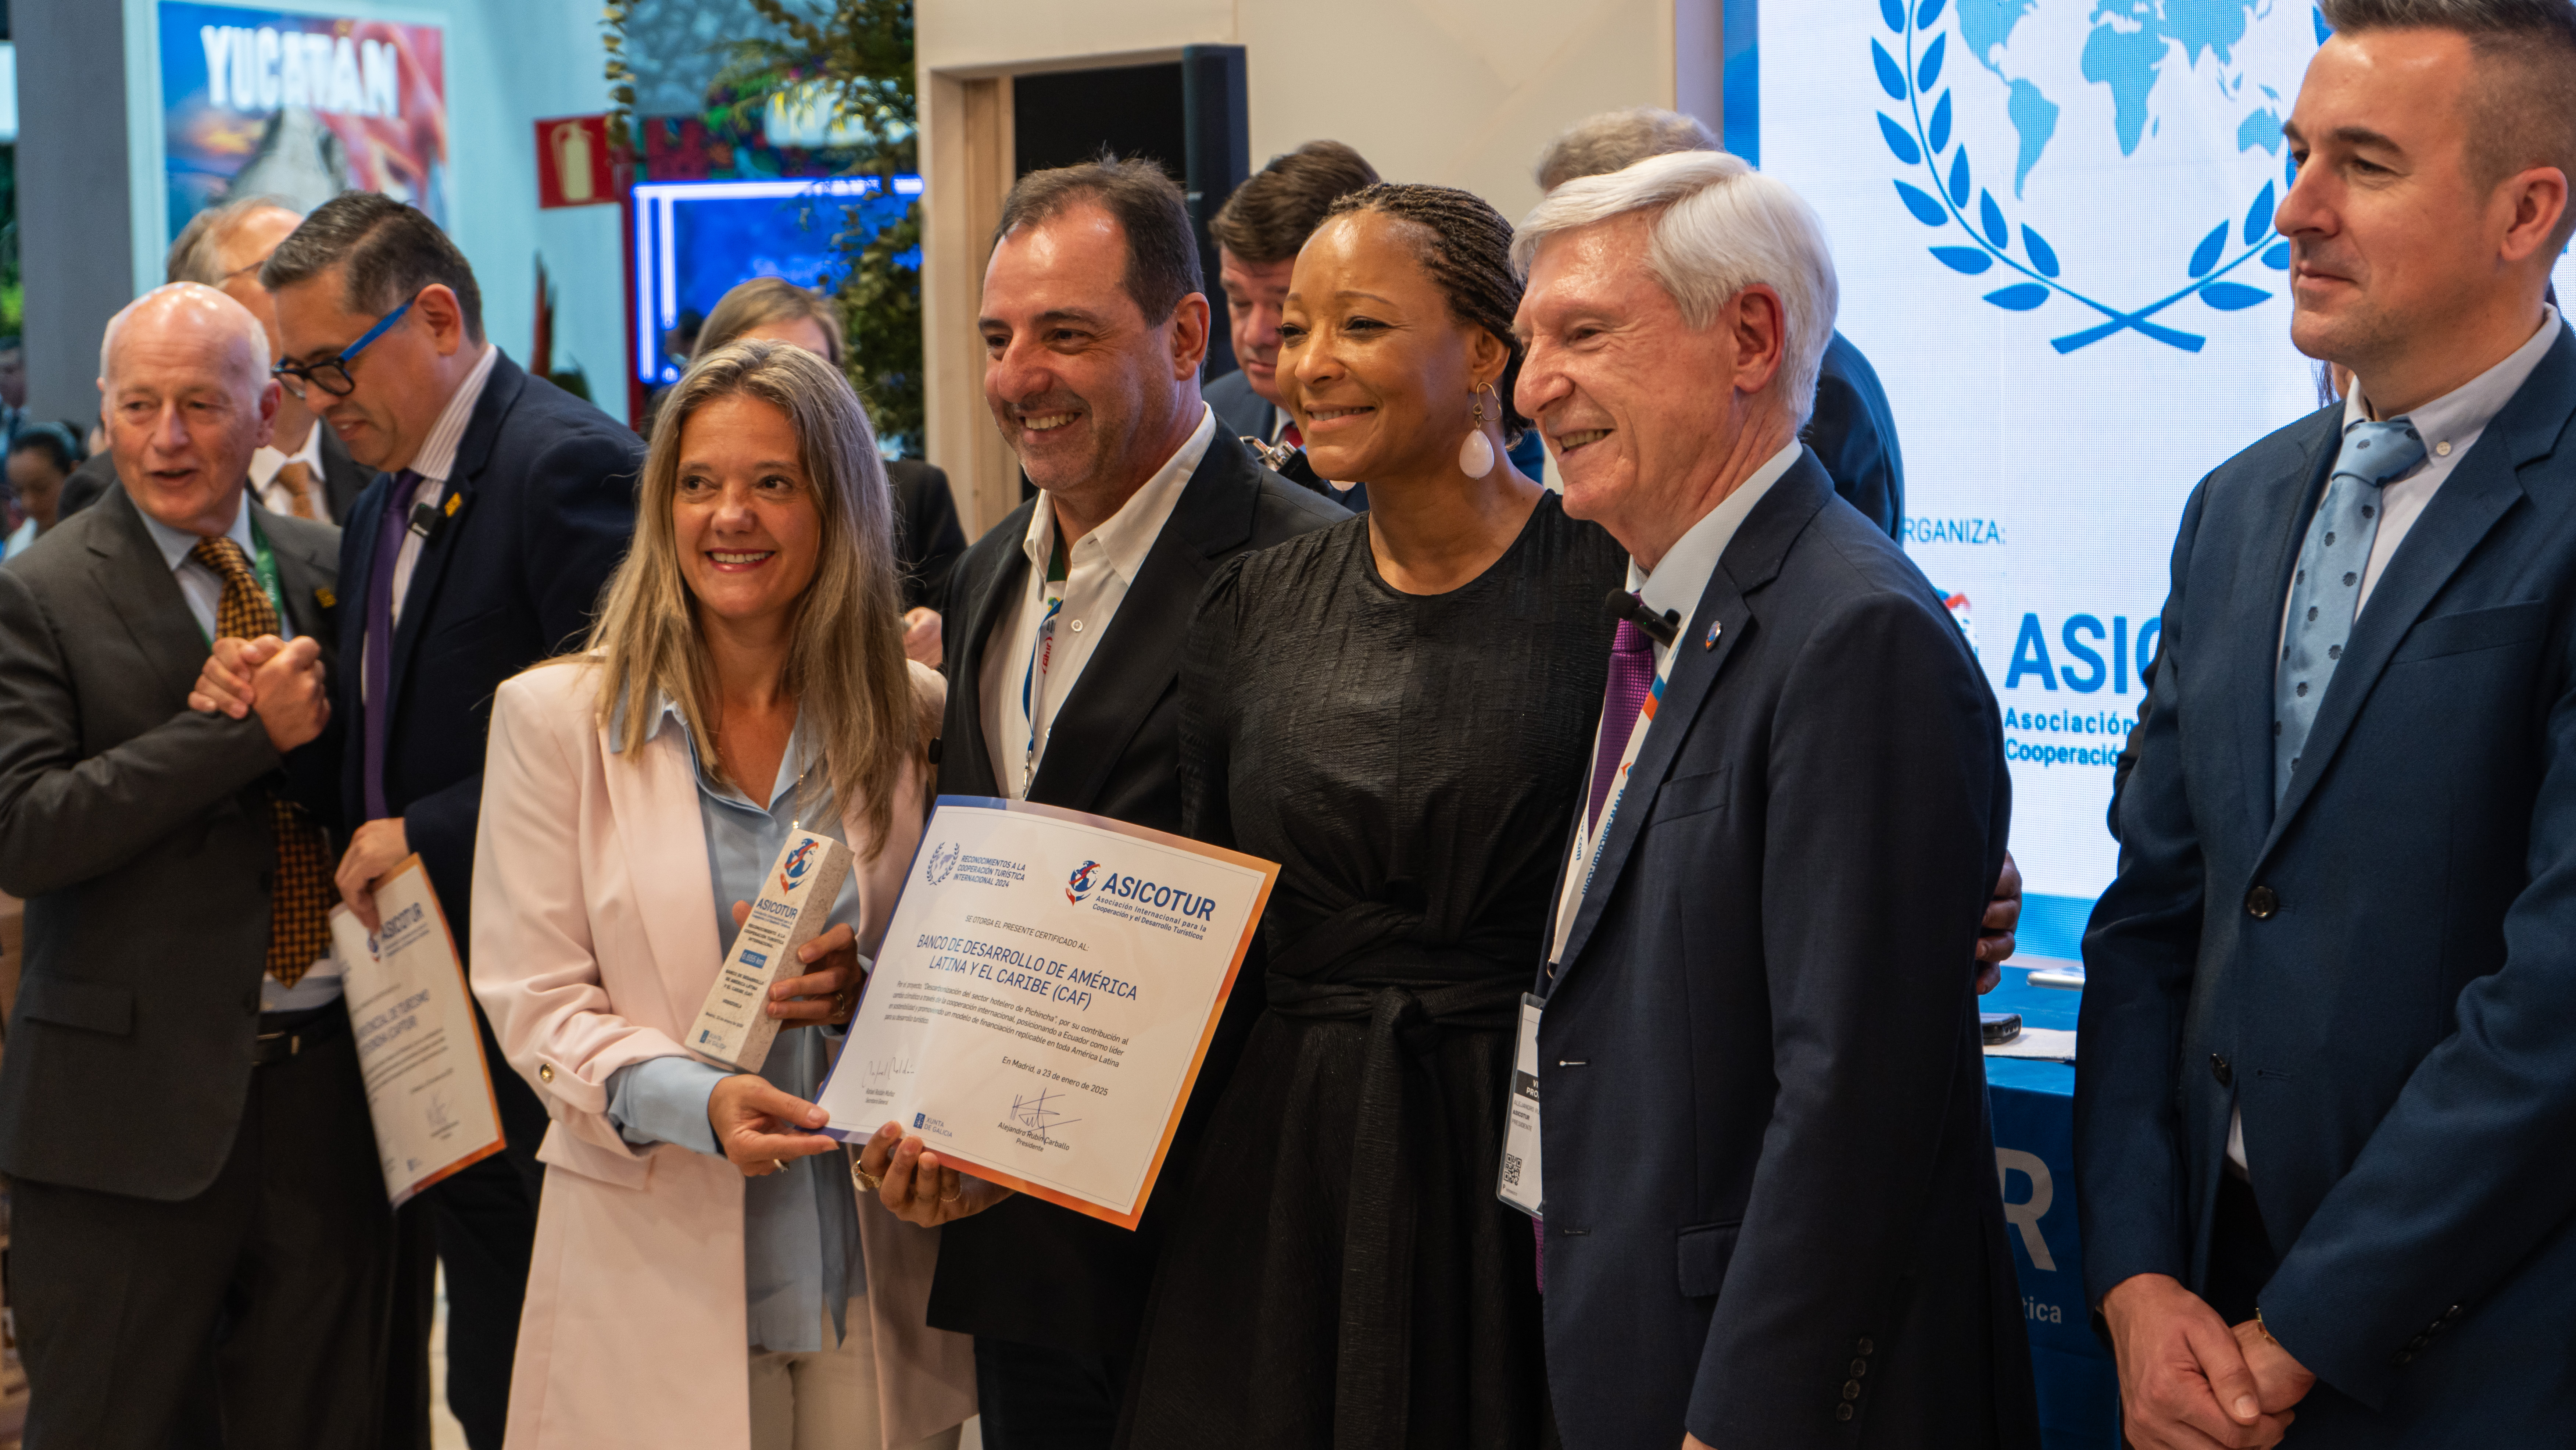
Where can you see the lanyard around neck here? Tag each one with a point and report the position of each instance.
(1041, 657)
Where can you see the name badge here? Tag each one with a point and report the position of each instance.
(1518, 1184)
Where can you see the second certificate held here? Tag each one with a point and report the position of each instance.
(1044, 997)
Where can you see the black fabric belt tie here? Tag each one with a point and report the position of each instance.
(284, 1034)
(1408, 994)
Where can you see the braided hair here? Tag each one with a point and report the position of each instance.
(1466, 247)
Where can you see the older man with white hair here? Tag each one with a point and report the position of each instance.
(1768, 1201)
(181, 1118)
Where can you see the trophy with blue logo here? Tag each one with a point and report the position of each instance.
(795, 905)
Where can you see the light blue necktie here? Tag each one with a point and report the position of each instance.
(2326, 595)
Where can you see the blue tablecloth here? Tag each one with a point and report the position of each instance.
(2034, 1113)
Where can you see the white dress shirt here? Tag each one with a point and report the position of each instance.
(1098, 570)
(435, 461)
(2450, 426)
(264, 466)
(203, 588)
(1673, 587)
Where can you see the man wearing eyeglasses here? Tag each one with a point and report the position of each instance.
(502, 506)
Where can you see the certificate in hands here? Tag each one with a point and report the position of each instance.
(420, 1055)
(1046, 992)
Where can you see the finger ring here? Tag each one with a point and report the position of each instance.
(953, 1197)
(869, 1181)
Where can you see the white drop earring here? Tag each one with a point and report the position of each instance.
(1476, 451)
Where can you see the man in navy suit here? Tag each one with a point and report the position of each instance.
(502, 506)
(2327, 1081)
(1770, 1211)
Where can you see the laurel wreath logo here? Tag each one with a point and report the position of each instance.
(1926, 142)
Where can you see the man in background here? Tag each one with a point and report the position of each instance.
(1258, 232)
(191, 1163)
(502, 506)
(303, 471)
(2322, 1106)
(1850, 427)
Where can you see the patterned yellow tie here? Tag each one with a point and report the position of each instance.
(299, 927)
(297, 478)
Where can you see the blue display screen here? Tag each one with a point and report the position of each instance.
(696, 240)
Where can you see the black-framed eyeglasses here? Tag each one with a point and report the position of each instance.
(331, 374)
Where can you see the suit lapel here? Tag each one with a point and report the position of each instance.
(2251, 658)
(1751, 560)
(343, 477)
(966, 765)
(1137, 661)
(654, 801)
(473, 452)
(143, 590)
(2479, 492)
(300, 572)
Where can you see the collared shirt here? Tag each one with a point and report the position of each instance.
(800, 1228)
(203, 588)
(1099, 568)
(264, 466)
(436, 462)
(1672, 587)
(2450, 426)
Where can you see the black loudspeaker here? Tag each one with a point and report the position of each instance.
(1219, 158)
(1188, 116)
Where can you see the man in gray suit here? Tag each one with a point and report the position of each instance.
(181, 1116)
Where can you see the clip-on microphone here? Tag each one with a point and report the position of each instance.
(1661, 628)
(426, 521)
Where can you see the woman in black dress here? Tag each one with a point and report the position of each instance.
(1399, 710)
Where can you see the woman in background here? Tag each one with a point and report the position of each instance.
(704, 1273)
(927, 536)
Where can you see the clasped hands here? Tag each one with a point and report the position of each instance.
(280, 681)
(2188, 1381)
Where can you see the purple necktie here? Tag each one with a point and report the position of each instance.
(1632, 679)
(380, 635)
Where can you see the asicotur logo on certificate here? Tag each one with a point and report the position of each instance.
(1079, 884)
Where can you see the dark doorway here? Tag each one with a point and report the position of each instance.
(1186, 115)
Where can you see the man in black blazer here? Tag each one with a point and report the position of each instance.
(2322, 1108)
(504, 505)
(1770, 1209)
(1095, 324)
(192, 1168)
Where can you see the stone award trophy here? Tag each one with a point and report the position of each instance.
(795, 904)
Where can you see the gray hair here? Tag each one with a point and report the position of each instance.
(171, 296)
(1719, 226)
(197, 256)
(1617, 140)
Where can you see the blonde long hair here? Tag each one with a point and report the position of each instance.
(845, 662)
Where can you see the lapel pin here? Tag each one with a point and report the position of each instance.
(326, 598)
(454, 502)
(1714, 626)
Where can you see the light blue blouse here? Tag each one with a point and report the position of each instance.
(801, 1227)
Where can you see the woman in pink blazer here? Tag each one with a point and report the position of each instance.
(704, 1274)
